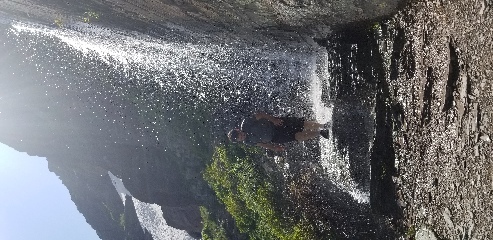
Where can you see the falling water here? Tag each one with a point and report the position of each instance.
(334, 161)
(177, 77)
(229, 78)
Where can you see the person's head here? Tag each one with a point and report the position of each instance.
(236, 135)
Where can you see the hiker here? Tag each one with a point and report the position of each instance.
(271, 132)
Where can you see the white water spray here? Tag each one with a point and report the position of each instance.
(334, 162)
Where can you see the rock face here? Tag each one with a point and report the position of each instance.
(425, 234)
(82, 146)
(442, 86)
(302, 16)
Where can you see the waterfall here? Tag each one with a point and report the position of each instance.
(165, 79)
(334, 161)
(216, 74)
(225, 76)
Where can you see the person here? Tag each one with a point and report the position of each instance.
(271, 132)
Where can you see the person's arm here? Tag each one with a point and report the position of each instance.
(273, 147)
(276, 121)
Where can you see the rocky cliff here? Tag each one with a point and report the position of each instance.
(308, 17)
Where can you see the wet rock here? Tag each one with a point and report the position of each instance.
(304, 15)
(485, 138)
(425, 234)
(435, 182)
(401, 203)
(447, 218)
(474, 119)
(471, 229)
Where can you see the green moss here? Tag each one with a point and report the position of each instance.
(375, 27)
(411, 232)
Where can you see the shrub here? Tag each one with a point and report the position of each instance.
(211, 230)
(249, 195)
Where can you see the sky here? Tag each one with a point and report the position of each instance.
(34, 204)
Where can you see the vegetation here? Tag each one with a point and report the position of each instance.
(59, 22)
(122, 220)
(249, 195)
(411, 232)
(376, 26)
(211, 230)
(89, 16)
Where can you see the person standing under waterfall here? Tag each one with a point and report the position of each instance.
(271, 132)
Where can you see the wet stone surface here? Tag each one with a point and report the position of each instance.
(441, 82)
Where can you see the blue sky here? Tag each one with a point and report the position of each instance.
(34, 204)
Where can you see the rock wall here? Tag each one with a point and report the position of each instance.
(313, 17)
